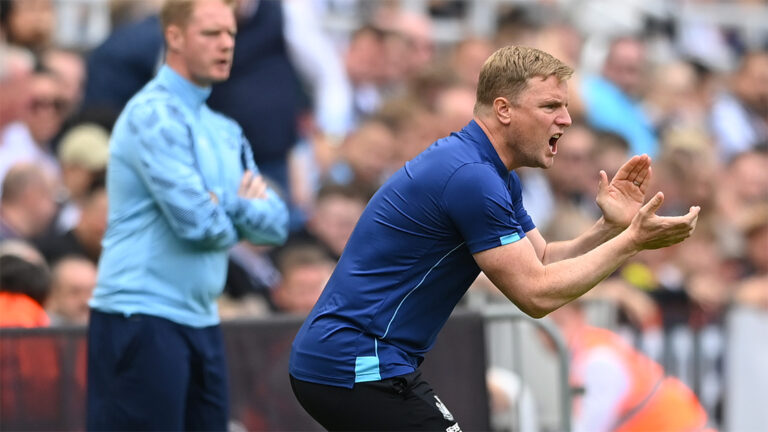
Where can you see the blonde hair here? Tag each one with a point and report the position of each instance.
(506, 72)
(178, 12)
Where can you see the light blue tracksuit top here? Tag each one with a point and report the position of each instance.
(165, 248)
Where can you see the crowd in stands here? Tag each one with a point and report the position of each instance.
(331, 114)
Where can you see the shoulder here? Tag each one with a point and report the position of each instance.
(153, 104)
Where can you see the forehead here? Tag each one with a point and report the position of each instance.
(549, 88)
(212, 12)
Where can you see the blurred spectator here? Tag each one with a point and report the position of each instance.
(454, 106)
(414, 125)
(367, 156)
(753, 290)
(83, 155)
(623, 390)
(742, 185)
(29, 140)
(27, 205)
(573, 180)
(612, 100)
(69, 66)
(24, 284)
(16, 65)
(412, 47)
(675, 97)
(366, 66)
(610, 152)
(28, 23)
(467, 58)
(251, 274)
(740, 115)
(305, 269)
(85, 238)
(337, 209)
(72, 281)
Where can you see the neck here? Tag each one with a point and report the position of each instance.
(177, 64)
(494, 132)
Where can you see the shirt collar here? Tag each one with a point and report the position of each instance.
(189, 93)
(477, 134)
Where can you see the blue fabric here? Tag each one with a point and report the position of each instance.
(165, 248)
(608, 108)
(409, 261)
(123, 64)
(148, 373)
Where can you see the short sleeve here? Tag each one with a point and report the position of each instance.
(521, 214)
(480, 205)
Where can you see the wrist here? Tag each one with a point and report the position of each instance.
(610, 229)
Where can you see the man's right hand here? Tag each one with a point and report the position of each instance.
(651, 231)
(252, 187)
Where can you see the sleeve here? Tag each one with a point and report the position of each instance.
(480, 206)
(168, 167)
(260, 221)
(516, 191)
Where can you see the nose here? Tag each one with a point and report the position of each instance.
(227, 41)
(564, 118)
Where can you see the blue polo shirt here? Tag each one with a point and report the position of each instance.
(409, 261)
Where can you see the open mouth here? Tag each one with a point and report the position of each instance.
(553, 142)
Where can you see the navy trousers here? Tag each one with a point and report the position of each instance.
(149, 373)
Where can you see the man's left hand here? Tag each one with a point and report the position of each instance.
(624, 195)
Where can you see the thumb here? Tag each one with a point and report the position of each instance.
(654, 203)
(603, 180)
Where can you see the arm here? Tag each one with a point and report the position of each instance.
(538, 289)
(167, 166)
(258, 213)
(619, 200)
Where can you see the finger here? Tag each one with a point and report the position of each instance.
(629, 166)
(260, 189)
(640, 166)
(646, 179)
(654, 203)
(245, 182)
(639, 176)
(603, 181)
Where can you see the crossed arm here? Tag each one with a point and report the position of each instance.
(540, 277)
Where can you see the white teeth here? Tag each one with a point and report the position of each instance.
(557, 136)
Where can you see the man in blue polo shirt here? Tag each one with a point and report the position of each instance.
(451, 212)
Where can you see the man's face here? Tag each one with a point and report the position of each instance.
(74, 285)
(44, 114)
(538, 118)
(208, 41)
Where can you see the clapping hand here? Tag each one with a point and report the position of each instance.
(621, 199)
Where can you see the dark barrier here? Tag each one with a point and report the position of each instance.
(42, 375)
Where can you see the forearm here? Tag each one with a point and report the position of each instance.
(260, 221)
(539, 289)
(598, 234)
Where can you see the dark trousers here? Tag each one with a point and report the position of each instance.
(403, 403)
(149, 373)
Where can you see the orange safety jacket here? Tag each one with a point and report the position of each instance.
(19, 310)
(655, 402)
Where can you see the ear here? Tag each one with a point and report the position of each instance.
(174, 37)
(503, 110)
